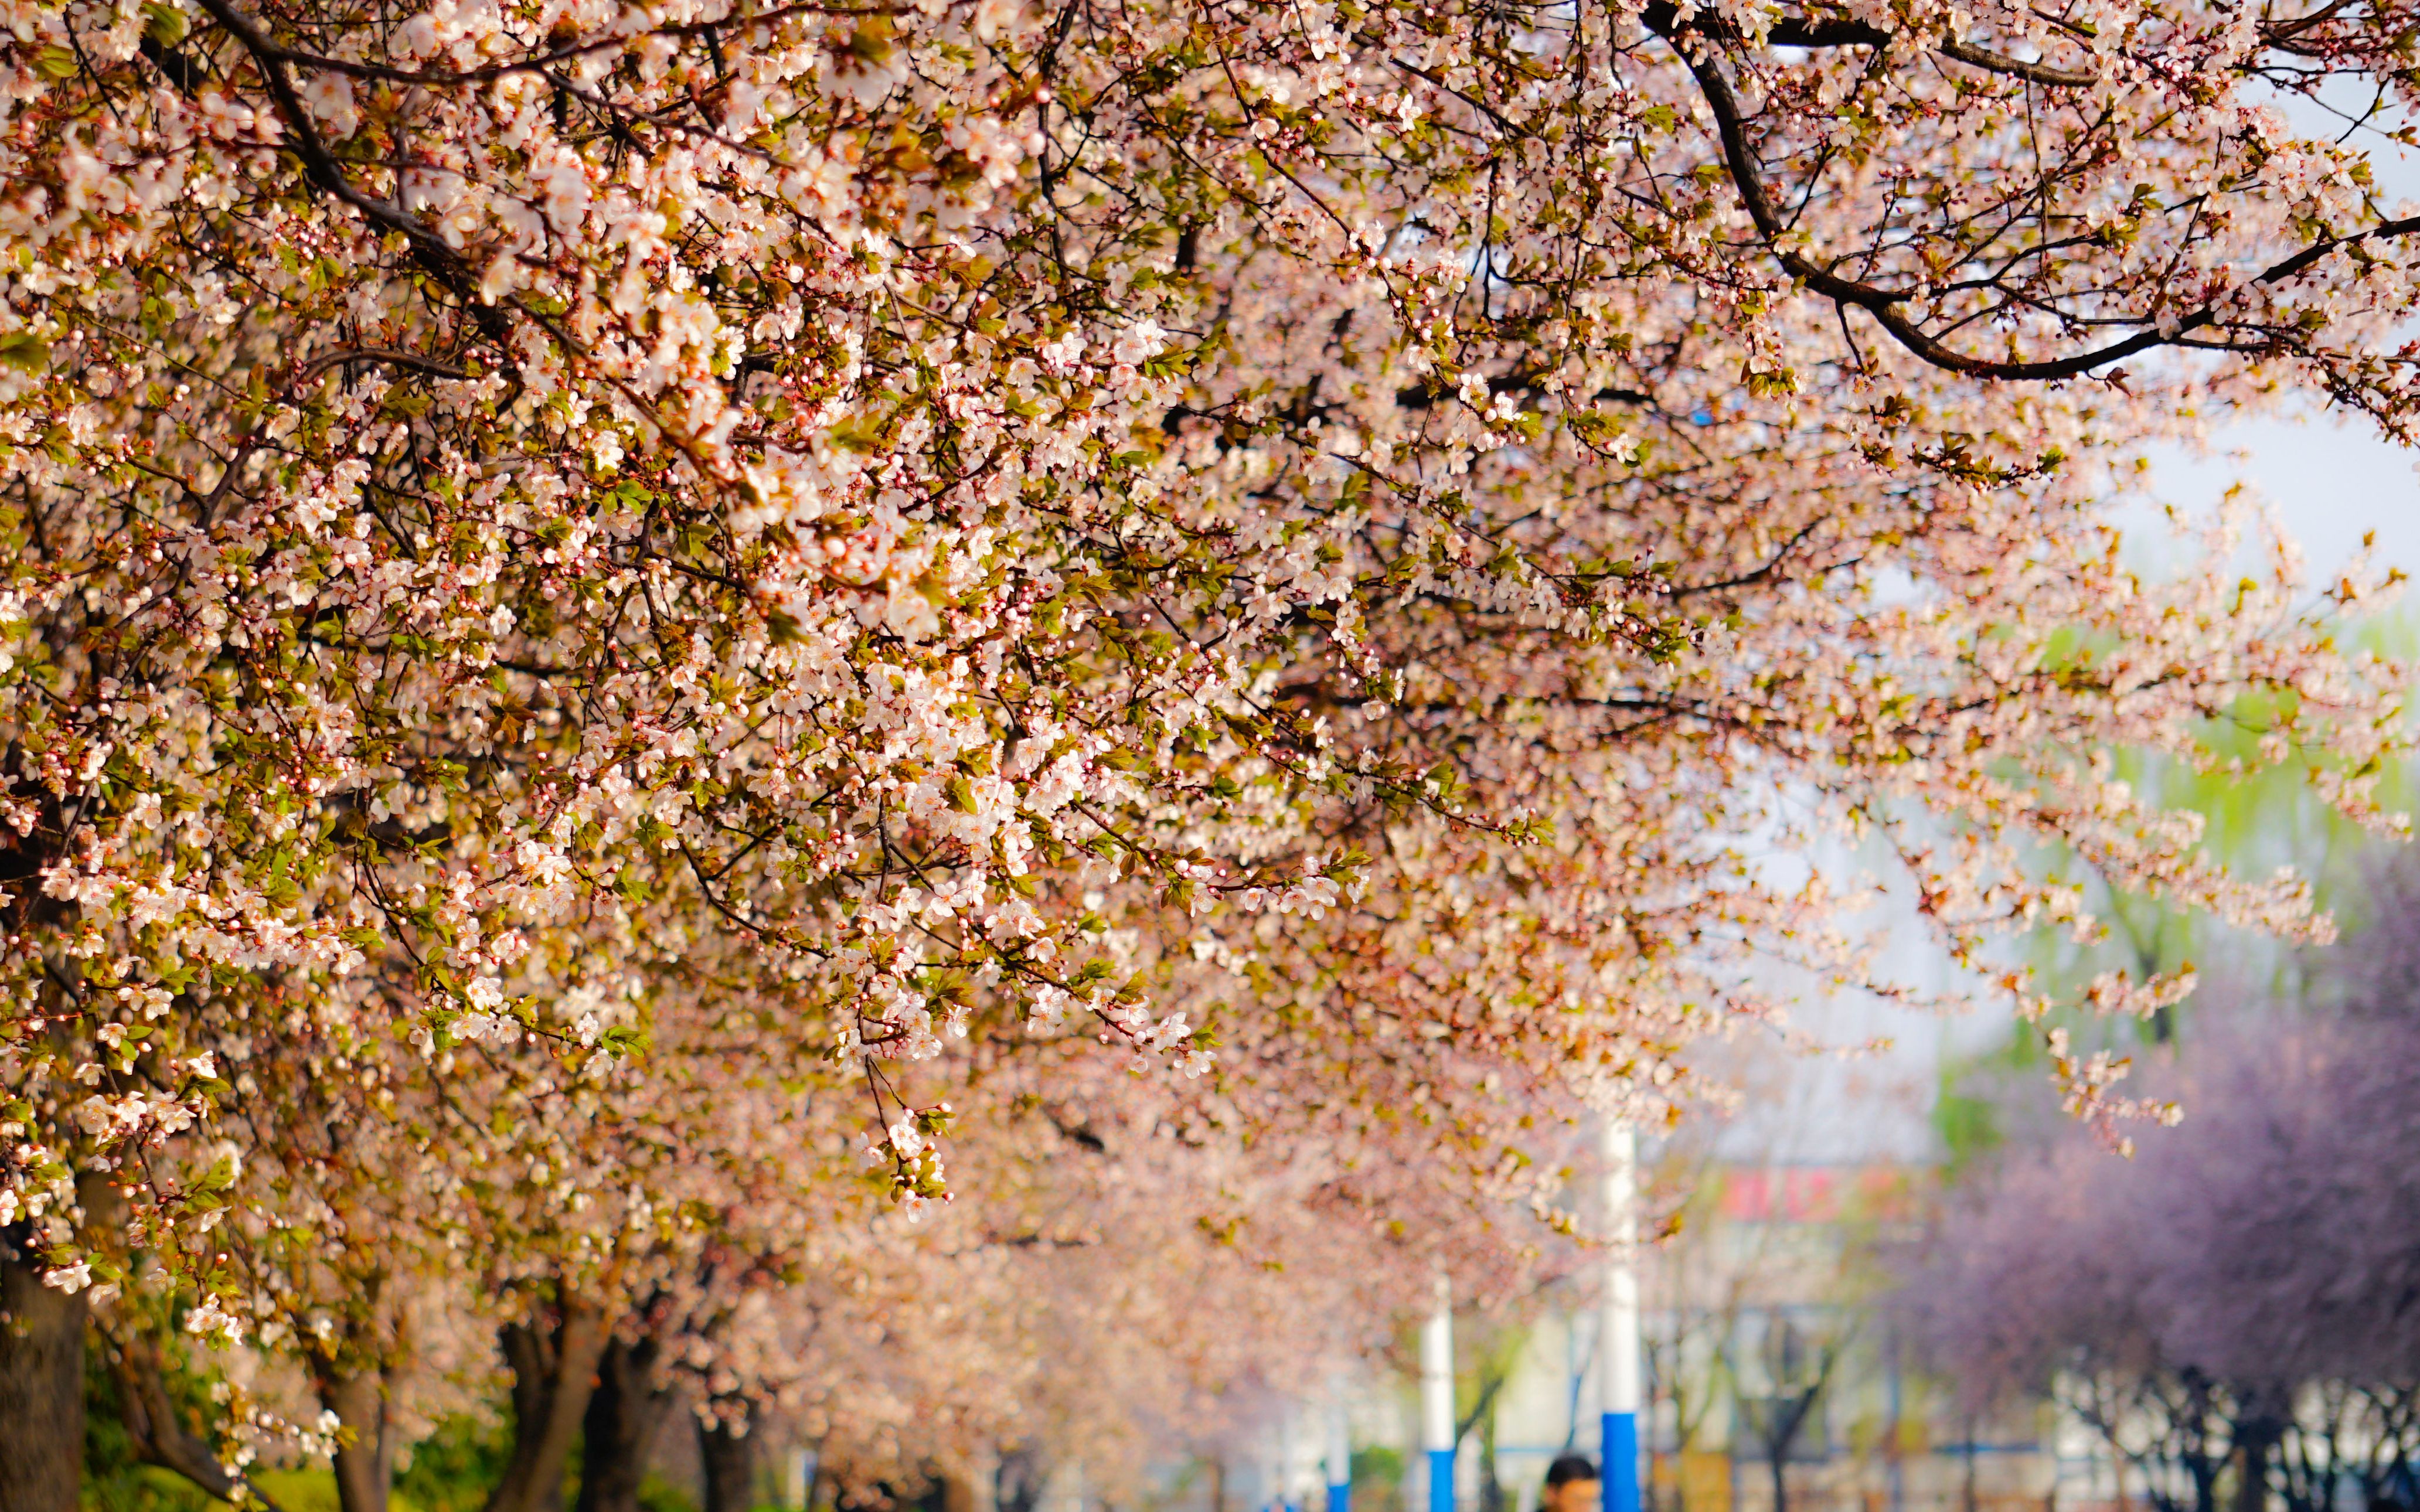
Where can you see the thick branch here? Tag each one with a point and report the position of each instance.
(381, 354)
(1814, 32)
(159, 1435)
(317, 161)
(541, 62)
(1884, 305)
(554, 1364)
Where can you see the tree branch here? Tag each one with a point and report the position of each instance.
(378, 354)
(1883, 304)
(1817, 32)
(159, 1436)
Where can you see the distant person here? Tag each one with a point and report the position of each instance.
(1572, 1486)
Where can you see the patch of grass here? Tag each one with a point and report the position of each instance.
(452, 1470)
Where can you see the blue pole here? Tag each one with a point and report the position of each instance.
(1440, 1480)
(1618, 1350)
(1340, 1449)
(1621, 1462)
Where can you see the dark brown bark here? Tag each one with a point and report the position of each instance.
(2257, 1437)
(41, 1329)
(41, 1383)
(158, 1433)
(1017, 1481)
(553, 1360)
(2200, 1437)
(1787, 1416)
(365, 1466)
(624, 1414)
(730, 1459)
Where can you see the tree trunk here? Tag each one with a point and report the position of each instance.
(155, 1432)
(1017, 1481)
(621, 1423)
(2204, 1471)
(1491, 1483)
(41, 1383)
(2198, 1438)
(364, 1467)
(730, 1459)
(1779, 1460)
(2251, 1488)
(555, 1371)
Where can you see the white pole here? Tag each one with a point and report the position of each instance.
(1618, 1327)
(1284, 1499)
(800, 1477)
(1437, 1397)
(1340, 1450)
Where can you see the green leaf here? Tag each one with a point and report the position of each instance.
(24, 351)
(163, 24)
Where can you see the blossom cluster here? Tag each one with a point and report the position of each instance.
(576, 565)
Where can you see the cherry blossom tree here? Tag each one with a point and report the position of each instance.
(1111, 1275)
(2229, 1308)
(1313, 548)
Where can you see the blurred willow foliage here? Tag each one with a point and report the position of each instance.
(2256, 817)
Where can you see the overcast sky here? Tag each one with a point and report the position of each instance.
(2328, 481)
